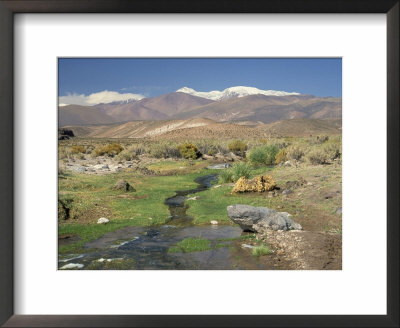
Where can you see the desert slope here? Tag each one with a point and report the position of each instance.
(199, 128)
(267, 109)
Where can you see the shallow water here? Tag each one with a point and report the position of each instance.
(148, 246)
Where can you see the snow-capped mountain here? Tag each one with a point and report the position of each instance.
(232, 92)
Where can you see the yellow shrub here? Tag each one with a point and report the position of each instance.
(189, 151)
(260, 183)
(281, 156)
(238, 147)
(110, 150)
(78, 149)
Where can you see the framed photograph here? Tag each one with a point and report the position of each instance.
(199, 164)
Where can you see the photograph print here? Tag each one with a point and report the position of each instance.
(199, 163)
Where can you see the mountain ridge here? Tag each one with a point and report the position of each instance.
(180, 105)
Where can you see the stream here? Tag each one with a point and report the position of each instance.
(148, 246)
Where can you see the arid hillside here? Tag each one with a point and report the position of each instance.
(199, 128)
(267, 109)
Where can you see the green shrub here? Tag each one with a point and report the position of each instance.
(189, 151)
(295, 152)
(136, 150)
(89, 149)
(64, 153)
(207, 147)
(109, 150)
(262, 155)
(237, 147)
(239, 170)
(164, 150)
(226, 176)
(157, 151)
(319, 139)
(261, 250)
(332, 150)
(317, 156)
(281, 156)
(78, 150)
(125, 156)
(279, 143)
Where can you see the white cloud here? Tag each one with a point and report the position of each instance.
(97, 98)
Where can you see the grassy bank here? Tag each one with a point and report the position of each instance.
(313, 203)
(92, 196)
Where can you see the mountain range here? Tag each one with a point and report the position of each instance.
(244, 105)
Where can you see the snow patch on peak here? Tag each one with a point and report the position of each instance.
(238, 91)
(186, 90)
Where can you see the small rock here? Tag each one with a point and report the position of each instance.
(123, 185)
(72, 266)
(309, 183)
(102, 220)
(328, 195)
(220, 166)
(288, 163)
(101, 260)
(194, 198)
(213, 222)
(79, 168)
(101, 167)
(338, 211)
(293, 184)
(152, 233)
(217, 186)
(287, 192)
(247, 246)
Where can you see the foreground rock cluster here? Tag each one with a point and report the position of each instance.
(260, 219)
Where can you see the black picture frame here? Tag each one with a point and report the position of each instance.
(10, 7)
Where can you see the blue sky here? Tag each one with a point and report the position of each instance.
(155, 76)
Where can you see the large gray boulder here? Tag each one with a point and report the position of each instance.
(259, 219)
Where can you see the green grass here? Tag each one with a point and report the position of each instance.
(261, 250)
(93, 197)
(244, 237)
(86, 233)
(213, 202)
(189, 245)
(221, 245)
